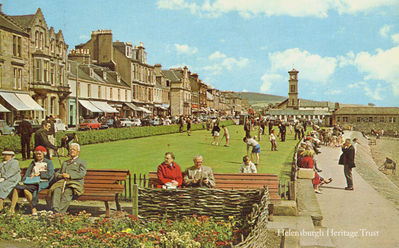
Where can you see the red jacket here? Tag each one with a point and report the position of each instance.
(307, 162)
(167, 173)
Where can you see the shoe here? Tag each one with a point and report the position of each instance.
(348, 188)
(317, 191)
(329, 180)
(318, 170)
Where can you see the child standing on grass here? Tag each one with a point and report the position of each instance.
(273, 140)
(226, 135)
(260, 133)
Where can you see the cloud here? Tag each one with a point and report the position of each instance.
(250, 8)
(269, 79)
(381, 66)
(395, 38)
(373, 94)
(312, 67)
(333, 92)
(346, 60)
(384, 31)
(222, 62)
(185, 49)
(244, 90)
(217, 55)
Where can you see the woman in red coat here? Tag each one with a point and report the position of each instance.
(307, 162)
(169, 173)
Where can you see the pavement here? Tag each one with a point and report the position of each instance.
(360, 218)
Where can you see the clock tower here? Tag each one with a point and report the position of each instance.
(293, 101)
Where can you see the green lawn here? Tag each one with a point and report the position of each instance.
(142, 155)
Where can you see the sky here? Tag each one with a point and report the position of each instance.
(345, 50)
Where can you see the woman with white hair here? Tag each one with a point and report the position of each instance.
(10, 175)
(37, 177)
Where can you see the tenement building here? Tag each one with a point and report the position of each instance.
(47, 60)
(367, 118)
(180, 91)
(100, 90)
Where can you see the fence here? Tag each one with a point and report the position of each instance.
(218, 203)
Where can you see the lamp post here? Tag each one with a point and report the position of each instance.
(77, 88)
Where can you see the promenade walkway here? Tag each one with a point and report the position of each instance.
(360, 218)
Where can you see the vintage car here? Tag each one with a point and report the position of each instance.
(126, 122)
(5, 129)
(89, 124)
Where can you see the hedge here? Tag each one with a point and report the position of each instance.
(106, 135)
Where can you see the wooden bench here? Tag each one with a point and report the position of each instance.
(237, 181)
(102, 185)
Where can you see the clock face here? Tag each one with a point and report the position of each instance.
(293, 76)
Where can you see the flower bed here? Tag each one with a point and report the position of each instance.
(82, 230)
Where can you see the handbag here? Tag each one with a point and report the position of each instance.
(32, 180)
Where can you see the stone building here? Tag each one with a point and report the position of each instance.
(294, 108)
(367, 118)
(100, 90)
(161, 92)
(130, 62)
(180, 91)
(233, 103)
(46, 65)
(14, 70)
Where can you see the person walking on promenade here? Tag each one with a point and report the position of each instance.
(25, 130)
(226, 135)
(348, 160)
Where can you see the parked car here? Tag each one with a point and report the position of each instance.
(35, 125)
(59, 125)
(89, 124)
(156, 122)
(126, 122)
(136, 122)
(5, 129)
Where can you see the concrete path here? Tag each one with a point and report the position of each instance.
(359, 218)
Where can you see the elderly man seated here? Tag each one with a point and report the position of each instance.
(70, 180)
(199, 175)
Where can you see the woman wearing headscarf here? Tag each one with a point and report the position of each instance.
(42, 170)
(10, 175)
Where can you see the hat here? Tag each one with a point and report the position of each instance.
(41, 149)
(8, 152)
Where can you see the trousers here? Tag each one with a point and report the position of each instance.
(348, 175)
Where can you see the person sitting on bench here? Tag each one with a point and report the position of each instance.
(70, 181)
(169, 173)
(199, 175)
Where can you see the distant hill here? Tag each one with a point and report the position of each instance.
(259, 99)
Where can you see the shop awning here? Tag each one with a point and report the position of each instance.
(105, 107)
(14, 101)
(89, 106)
(132, 106)
(141, 109)
(3, 109)
(28, 101)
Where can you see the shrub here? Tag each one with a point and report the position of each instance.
(106, 135)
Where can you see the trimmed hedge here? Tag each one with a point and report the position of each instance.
(106, 135)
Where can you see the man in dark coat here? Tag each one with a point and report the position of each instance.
(283, 131)
(348, 160)
(25, 130)
(41, 138)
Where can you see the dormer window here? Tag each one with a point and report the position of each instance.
(128, 51)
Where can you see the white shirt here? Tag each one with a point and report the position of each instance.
(252, 142)
(250, 168)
